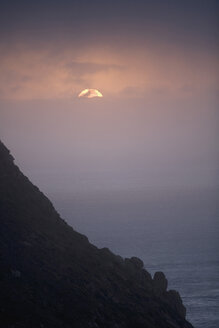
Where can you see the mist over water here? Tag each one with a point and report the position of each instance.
(138, 176)
(171, 231)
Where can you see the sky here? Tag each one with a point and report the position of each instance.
(156, 65)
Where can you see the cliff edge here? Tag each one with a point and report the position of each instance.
(52, 277)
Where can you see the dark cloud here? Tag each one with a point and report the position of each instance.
(79, 69)
(192, 22)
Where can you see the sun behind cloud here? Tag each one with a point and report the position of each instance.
(90, 93)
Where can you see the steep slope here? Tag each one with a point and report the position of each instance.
(51, 276)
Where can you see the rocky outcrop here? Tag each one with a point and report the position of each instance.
(175, 301)
(52, 277)
(160, 283)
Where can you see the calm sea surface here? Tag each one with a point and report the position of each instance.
(176, 233)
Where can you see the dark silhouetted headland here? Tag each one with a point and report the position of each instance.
(51, 276)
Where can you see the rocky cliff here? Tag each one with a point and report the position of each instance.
(52, 277)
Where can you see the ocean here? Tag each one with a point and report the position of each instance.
(171, 231)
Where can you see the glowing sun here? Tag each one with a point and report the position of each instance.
(90, 93)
